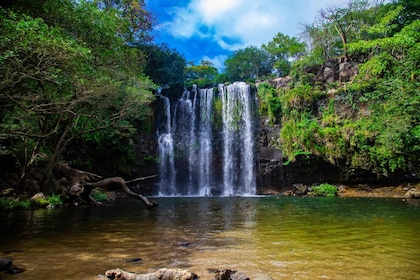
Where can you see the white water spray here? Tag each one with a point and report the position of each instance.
(208, 158)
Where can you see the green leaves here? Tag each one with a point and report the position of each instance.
(202, 75)
(68, 76)
(284, 49)
(248, 64)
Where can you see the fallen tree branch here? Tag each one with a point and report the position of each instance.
(140, 179)
(81, 185)
(119, 183)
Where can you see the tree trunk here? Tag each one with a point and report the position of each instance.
(81, 183)
(119, 183)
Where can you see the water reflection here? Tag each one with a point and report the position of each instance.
(284, 238)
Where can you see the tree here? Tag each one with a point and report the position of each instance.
(382, 132)
(138, 21)
(164, 66)
(348, 21)
(284, 49)
(250, 63)
(58, 85)
(322, 42)
(202, 75)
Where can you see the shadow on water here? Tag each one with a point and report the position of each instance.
(284, 238)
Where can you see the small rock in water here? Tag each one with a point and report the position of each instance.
(15, 270)
(185, 244)
(134, 260)
(5, 263)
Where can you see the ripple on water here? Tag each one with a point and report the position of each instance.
(289, 238)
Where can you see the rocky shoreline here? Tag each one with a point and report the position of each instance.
(402, 191)
(405, 191)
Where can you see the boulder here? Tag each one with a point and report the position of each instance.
(5, 263)
(347, 71)
(300, 189)
(413, 193)
(161, 274)
(227, 274)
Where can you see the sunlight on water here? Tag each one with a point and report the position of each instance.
(282, 238)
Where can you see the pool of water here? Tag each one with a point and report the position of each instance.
(282, 238)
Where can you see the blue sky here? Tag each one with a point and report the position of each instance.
(214, 29)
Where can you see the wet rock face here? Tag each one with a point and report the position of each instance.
(273, 176)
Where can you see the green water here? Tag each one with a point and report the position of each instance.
(283, 238)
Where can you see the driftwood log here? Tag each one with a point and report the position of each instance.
(161, 274)
(81, 183)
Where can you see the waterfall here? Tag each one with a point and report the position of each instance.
(205, 150)
(238, 149)
(166, 152)
(204, 139)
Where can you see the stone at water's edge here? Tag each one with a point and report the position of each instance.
(5, 263)
(227, 274)
(174, 274)
(161, 274)
(413, 193)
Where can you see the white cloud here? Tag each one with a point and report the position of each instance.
(213, 11)
(218, 61)
(249, 23)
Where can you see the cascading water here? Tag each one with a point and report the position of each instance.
(206, 146)
(166, 152)
(238, 148)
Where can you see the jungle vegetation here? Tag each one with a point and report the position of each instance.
(72, 78)
(77, 81)
(370, 123)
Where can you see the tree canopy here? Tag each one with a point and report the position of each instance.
(250, 63)
(67, 72)
(284, 49)
(381, 134)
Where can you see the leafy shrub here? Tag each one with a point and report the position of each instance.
(10, 203)
(270, 104)
(99, 195)
(325, 190)
(55, 201)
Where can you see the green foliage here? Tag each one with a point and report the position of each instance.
(296, 154)
(68, 73)
(324, 190)
(284, 49)
(301, 97)
(217, 117)
(164, 66)
(299, 135)
(201, 75)
(54, 201)
(10, 203)
(99, 195)
(248, 64)
(270, 104)
(371, 123)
